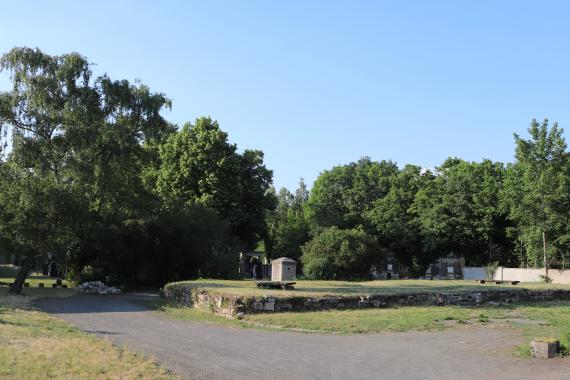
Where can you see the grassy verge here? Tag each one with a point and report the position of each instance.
(323, 288)
(532, 319)
(36, 346)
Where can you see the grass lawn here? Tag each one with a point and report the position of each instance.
(8, 274)
(34, 345)
(323, 288)
(532, 319)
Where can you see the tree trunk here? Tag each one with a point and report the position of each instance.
(544, 252)
(490, 245)
(16, 287)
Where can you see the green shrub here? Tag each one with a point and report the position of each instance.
(545, 279)
(491, 269)
(340, 254)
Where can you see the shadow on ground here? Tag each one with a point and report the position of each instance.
(87, 304)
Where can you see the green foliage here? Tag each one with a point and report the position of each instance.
(97, 177)
(338, 254)
(288, 228)
(89, 157)
(198, 164)
(459, 212)
(76, 150)
(393, 220)
(342, 196)
(537, 194)
(491, 269)
(545, 279)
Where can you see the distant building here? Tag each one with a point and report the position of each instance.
(389, 269)
(446, 268)
(254, 265)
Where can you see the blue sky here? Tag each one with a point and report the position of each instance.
(316, 84)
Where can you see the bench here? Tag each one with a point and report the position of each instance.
(285, 285)
(498, 282)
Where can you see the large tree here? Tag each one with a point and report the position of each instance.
(343, 195)
(537, 193)
(198, 164)
(288, 228)
(76, 152)
(459, 211)
(393, 221)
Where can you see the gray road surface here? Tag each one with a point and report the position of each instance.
(204, 351)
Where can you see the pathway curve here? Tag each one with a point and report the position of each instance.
(205, 351)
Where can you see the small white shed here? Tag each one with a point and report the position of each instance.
(283, 269)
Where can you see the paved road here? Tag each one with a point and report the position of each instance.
(204, 351)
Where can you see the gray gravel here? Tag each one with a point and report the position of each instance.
(204, 351)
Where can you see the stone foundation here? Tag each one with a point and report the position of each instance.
(232, 306)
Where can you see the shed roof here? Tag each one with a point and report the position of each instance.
(284, 260)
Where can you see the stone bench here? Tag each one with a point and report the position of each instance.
(285, 285)
(498, 282)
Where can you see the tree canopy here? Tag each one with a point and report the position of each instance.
(92, 161)
(93, 175)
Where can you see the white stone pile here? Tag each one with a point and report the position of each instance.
(97, 287)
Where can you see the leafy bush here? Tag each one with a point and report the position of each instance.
(340, 254)
(491, 269)
(545, 279)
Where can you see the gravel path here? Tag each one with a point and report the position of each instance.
(204, 351)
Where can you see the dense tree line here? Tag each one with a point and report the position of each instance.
(91, 173)
(517, 214)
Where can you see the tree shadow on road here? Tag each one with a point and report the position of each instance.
(80, 304)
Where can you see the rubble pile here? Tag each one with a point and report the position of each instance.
(97, 287)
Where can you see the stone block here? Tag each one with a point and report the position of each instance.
(544, 348)
(269, 305)
(285, 306)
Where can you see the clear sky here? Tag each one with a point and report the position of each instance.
(315, 84)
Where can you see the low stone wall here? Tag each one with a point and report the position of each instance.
(232, 306)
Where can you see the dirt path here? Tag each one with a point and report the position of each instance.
(203, 351)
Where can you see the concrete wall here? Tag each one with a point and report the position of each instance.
(518, 274)
(474, 273)
(559, 276)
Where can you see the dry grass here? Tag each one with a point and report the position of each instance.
(34, 345)
(323, 288)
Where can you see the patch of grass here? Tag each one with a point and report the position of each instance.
(482, 318)
(532, 319)
(8, 274)
(397, 319)
(323, 288)
(34, 345)
(191, 314)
